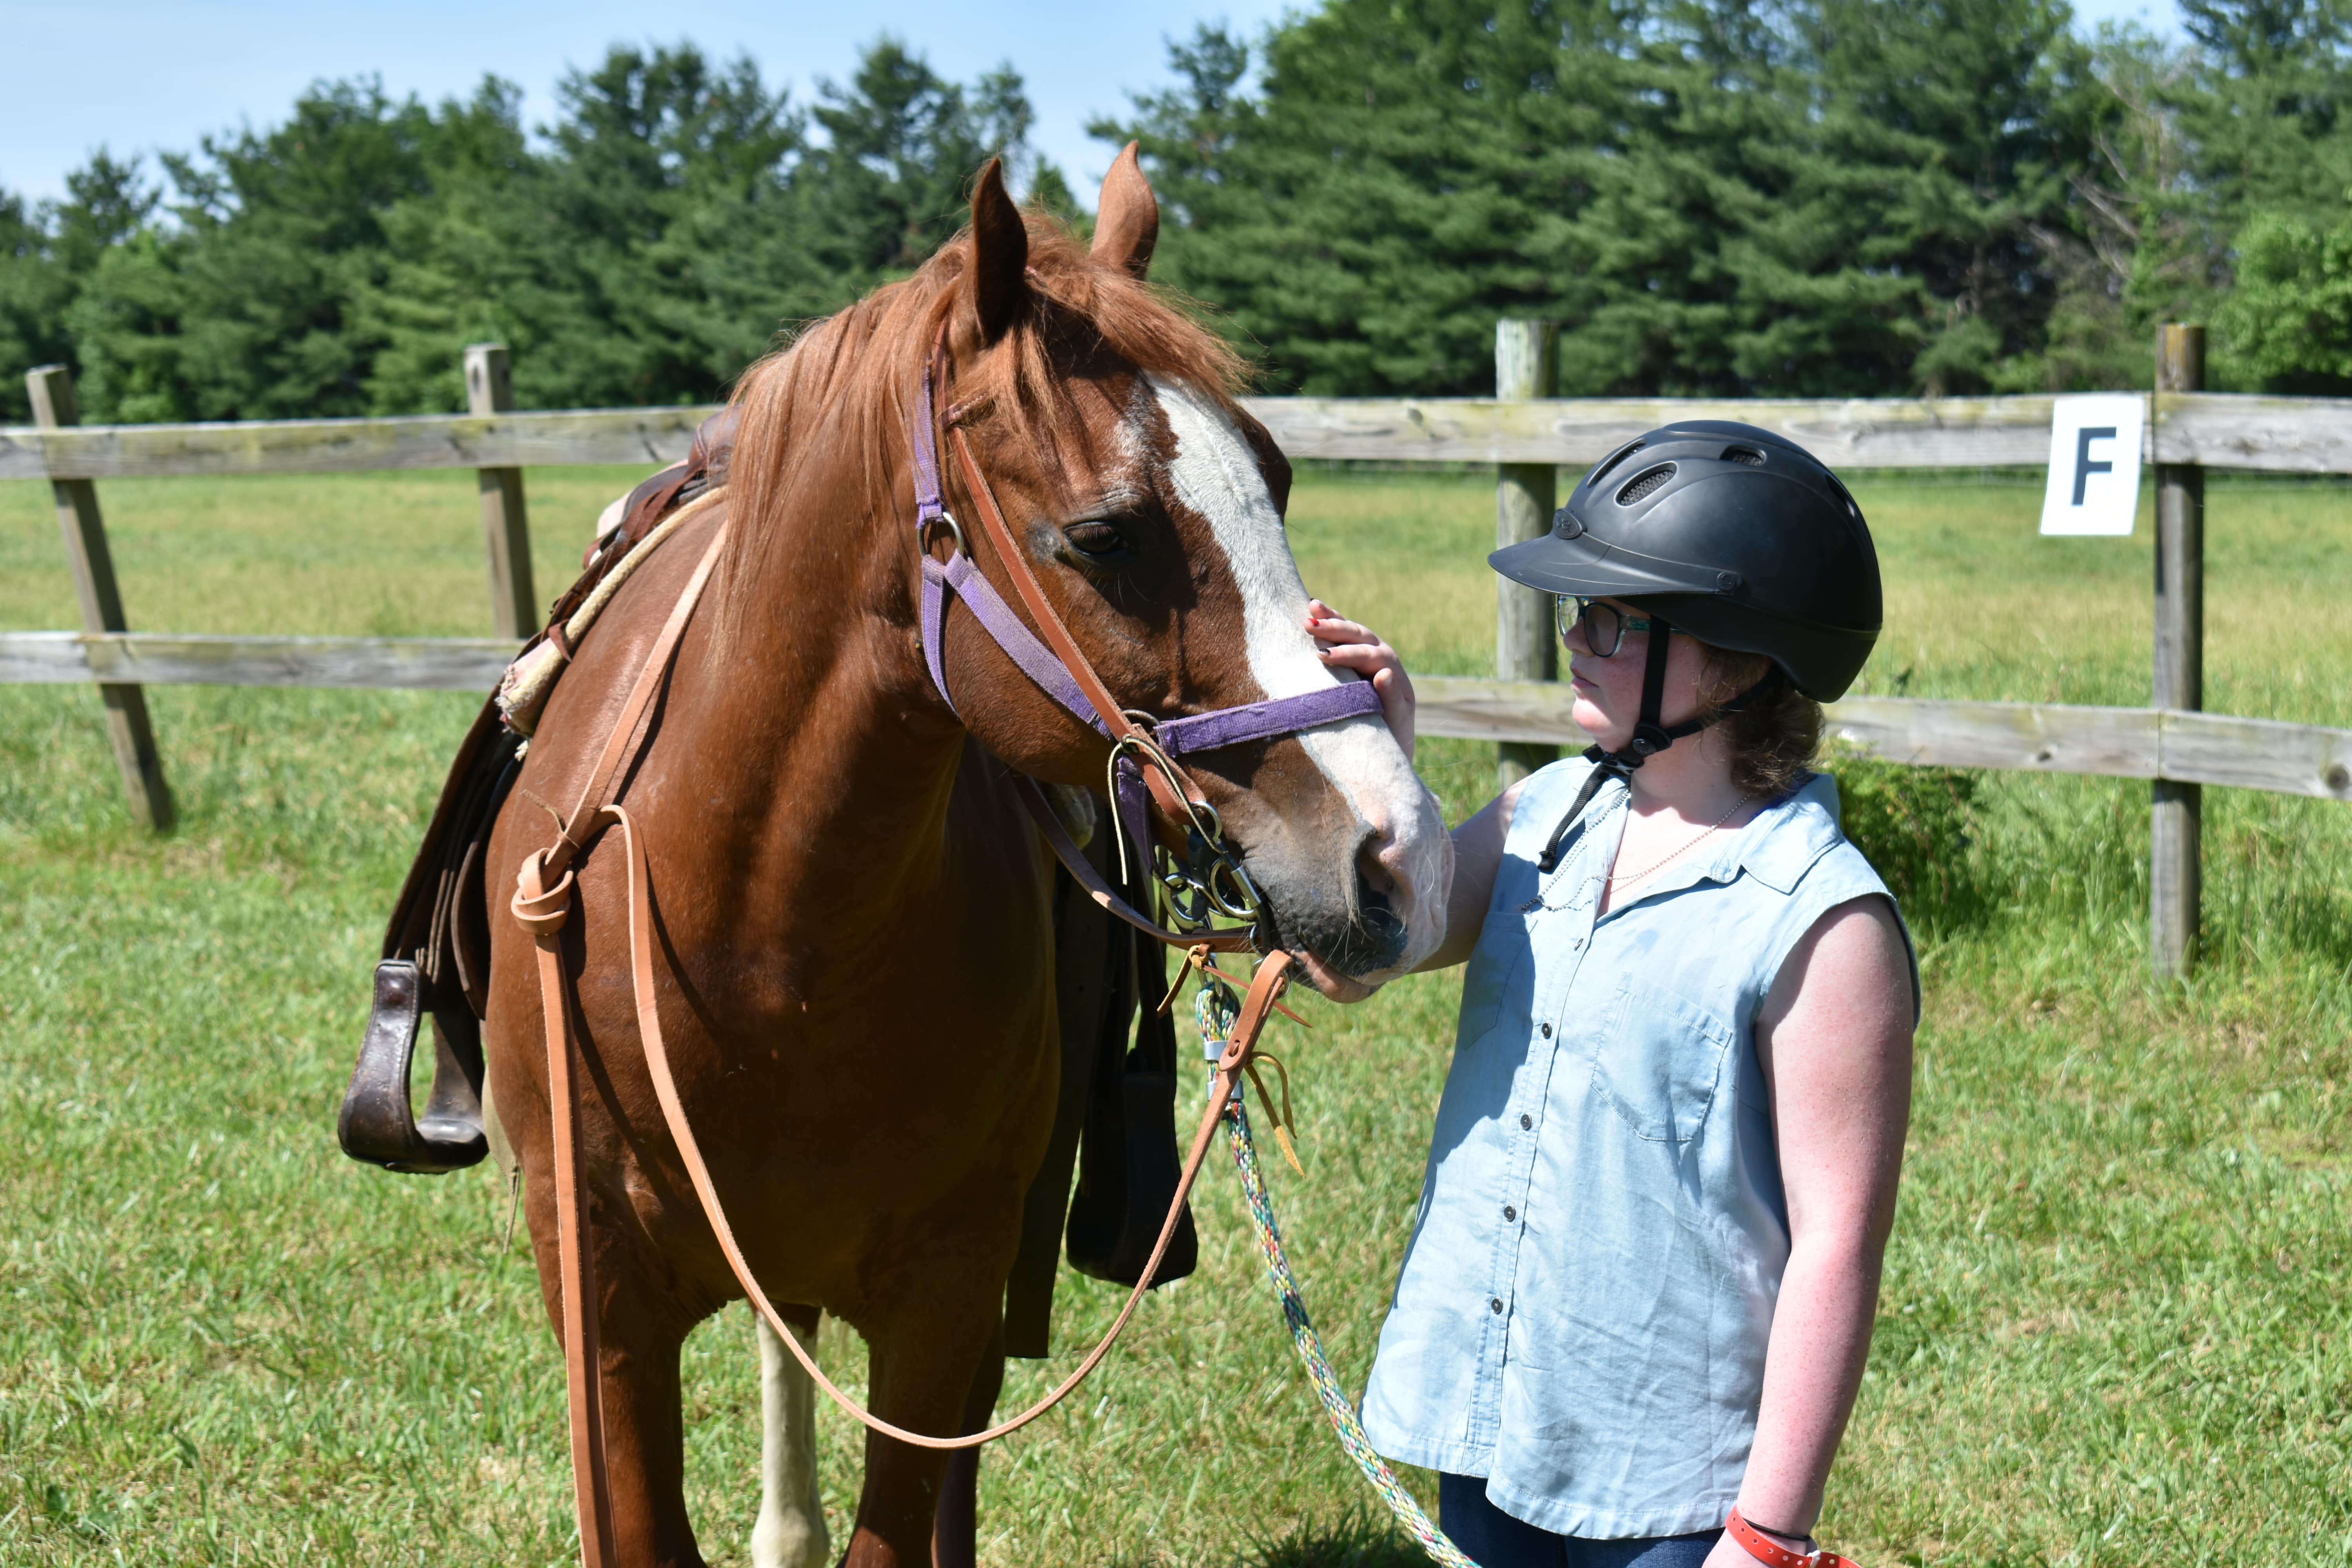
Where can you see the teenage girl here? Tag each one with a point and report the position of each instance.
(1634, 1311)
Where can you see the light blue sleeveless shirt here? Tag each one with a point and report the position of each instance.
(1585, 1307)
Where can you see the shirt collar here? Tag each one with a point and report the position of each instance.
(1777, 847)
(1780, 844)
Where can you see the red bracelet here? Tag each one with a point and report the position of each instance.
(1766, 1550)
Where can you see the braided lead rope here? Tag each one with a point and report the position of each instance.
(1216, 1007)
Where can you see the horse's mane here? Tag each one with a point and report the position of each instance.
(849, 384)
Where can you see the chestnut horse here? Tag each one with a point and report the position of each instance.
(850, 905)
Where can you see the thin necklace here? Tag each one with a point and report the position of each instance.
(1616, 877)
(1629, 878)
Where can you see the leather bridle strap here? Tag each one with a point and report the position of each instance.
(1063, 670)
(543, 911)
(1167, 739)
(1143, 758)
(1082, 871)
(622, 743)
(542, 906)
(1081, 669)
(1263, 992)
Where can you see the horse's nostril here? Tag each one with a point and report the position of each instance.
(1375, 913)
(1377, 934)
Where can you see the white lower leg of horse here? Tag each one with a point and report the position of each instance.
(790, 1530)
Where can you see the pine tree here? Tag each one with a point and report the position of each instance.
(243, 310)
(47, 252)
(1396, 184)
(1713, 197)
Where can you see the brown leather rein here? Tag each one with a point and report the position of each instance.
(543, 904)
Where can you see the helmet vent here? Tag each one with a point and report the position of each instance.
(1644, 484)
(1612, 460)
(1748, 454)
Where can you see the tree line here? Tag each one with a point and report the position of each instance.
(1712, 198)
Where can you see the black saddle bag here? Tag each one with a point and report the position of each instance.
(1129, 1165)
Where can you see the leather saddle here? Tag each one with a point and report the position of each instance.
(437, 947)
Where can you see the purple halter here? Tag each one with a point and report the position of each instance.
(1177, 737)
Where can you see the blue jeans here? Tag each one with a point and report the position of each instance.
(1493, 1538)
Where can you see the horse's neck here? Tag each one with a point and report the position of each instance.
(815, 763)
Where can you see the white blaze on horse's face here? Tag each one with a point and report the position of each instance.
(1399, 842)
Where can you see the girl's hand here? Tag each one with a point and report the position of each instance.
(1348, 646)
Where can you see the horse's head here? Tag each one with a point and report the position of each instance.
(1149, 506)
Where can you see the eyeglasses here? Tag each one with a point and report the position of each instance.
(1604, 626)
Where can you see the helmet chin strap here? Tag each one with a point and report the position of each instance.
(1650, 737)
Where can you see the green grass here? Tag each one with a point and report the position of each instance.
(2113, 1329)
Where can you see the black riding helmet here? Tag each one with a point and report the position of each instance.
(1733, 534)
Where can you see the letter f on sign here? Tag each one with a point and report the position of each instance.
(2083, 465)
(2071, 504)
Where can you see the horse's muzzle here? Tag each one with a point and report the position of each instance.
(1347, 922)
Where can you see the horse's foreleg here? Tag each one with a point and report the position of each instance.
(923, 1368)
(955, 1537)
(791, 1530)
(640, 1328)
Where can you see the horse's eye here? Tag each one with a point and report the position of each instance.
(1099, 540)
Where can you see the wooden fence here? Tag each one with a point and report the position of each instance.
(2219, 430)
(2176, 747)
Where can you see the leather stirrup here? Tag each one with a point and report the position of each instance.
(376, 1125)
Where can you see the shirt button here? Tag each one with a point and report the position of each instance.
(1495, 1305)
(1510, 1212)
(1527, 1122)
(1547, 1031)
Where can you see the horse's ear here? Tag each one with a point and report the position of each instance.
(1000, 253)
(1128, 226)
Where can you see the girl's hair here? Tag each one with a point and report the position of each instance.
(1773, 737)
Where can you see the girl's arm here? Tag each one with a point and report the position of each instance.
(1835, 1041)
(1477, 843)
(1477, 856)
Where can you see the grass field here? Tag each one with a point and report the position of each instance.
(2114, 1328)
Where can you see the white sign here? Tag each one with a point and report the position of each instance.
(2095, 444)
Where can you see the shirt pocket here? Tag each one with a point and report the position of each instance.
(1658, 1059)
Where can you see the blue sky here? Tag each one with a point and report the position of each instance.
(136, 75)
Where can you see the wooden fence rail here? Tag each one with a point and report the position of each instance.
(2033, 737)
(2030, 737)
(174, 659)
(2215, 430)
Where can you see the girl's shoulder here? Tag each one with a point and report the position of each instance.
(1810, 861)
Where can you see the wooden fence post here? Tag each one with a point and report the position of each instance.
(506, 530)
(53, 407)
(2176, 869)
(1526, 365)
